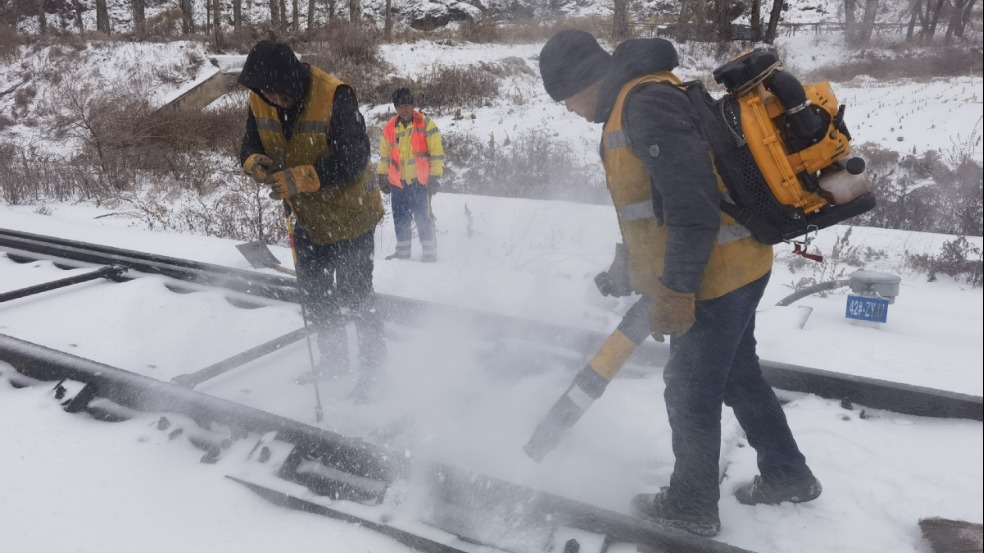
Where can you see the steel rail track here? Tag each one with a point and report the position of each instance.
(859, 390)
(468, 499)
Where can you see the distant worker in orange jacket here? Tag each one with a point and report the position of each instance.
(411, 163)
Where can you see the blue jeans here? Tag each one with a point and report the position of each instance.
(714, 363)
(412, 203)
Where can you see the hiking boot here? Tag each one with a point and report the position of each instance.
(761, 492)
(658, 508)
(397, 256)
(428, 258)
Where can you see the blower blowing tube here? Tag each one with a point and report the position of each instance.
(591, 381)
(802, 122)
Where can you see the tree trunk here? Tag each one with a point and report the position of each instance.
(237, 14)
(620, 20)
(960, 7)
(722, 20)
(692, 22)
(968, 11)
(935, 19)
(388, 21)
(187, 17)
(78, 16)
(756, 17)
(275, 13)
(770, 33)
(850, 21)
(310, 14)
(868, 21)
(295, 18)
(138, 17)
(283, 14)
(331, 9)
(102, 17)
(915, 12)
(355, 11)
(42, 17)
(217, 19)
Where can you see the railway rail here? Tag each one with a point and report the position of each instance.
(337, 467)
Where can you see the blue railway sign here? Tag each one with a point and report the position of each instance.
(867, 308)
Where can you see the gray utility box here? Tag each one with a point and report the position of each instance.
(873, 283)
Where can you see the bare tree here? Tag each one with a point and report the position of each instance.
(216, 19)
(756, 16)
(962, 10)
(78, 15)
(355, 11)
(331, 9)
(620, 19)
(42, 18)
(850, 19)
(295, 21)
(187, 16)
(774, 15)
(926, 14)
(138, 17)
(867, 21)
(237, 14)
(275, 13)
(310, 14)
(388, 21)
(722, 16)
(693, 18)
(102, 17)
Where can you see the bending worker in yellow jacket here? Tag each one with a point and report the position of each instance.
(306, 139)
(411, 163)
(700, 274)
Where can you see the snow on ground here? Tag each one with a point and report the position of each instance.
(446, 385)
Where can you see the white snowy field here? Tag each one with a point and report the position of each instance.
(458, 397)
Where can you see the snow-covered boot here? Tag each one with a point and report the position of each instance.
(659, 508)
(762, 492)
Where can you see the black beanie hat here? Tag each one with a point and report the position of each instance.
(402, 96)
(571, 61)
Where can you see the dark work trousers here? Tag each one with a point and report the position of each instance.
(336, 276)
(412, 202)
(715, 362)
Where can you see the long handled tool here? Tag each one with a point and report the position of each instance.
(591, 381)
(318, 410)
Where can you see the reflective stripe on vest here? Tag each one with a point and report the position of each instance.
(338, 210)
(736, 258)
(418, 145)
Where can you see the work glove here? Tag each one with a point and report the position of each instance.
(384, 184)
(672, 312)
(433, 185)
(290, 182)
(258, 166)
(615, 281)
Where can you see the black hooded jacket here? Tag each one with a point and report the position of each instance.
(665, 134)
(273, 67)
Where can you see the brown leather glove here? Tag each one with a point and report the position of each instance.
(302, 178)
(258, 167)
(672, 312)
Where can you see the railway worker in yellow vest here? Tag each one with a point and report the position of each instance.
(700, 275)
(306, 139)
(411, 163)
